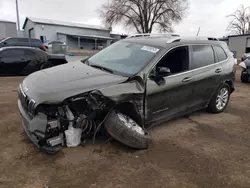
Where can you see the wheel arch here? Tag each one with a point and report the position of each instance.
(130, 109)
(231, 84)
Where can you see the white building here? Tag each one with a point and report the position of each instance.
(73, 34)
(7, 29)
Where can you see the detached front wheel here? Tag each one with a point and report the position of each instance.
(127, 131)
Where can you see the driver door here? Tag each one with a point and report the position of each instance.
(169, 96)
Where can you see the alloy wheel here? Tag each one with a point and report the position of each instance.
(222, 98)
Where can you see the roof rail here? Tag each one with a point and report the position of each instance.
(178, 39)
(150, 34)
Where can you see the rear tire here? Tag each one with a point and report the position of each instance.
(243, 79)
(220, 99)
(127, 135)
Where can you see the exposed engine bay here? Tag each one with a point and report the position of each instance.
(72, 122)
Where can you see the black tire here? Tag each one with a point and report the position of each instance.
(46, 65)
(116, 128)
(243, 79)
(212, 105)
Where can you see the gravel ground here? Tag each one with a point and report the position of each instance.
(198, 150)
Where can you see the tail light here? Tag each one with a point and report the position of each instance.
(43, 47)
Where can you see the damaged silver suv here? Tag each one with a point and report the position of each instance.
(126, 89)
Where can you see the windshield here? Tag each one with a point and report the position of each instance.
(125, 58)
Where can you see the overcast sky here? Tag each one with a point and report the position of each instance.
(210, 15)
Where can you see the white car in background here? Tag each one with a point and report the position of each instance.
(49, 44)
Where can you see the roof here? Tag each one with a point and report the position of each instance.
(117, 34)
(18, 47)
(7, 21)
(239, 35)
(87, 36)
(62, 23)
(163, 41)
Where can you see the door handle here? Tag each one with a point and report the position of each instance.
(187, 79)
(218, 70)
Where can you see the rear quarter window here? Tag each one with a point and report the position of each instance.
(202, 55)
(221, 54)
(36, 43)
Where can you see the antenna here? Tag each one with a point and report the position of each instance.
(198, 32)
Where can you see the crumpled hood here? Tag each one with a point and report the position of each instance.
(55, 84)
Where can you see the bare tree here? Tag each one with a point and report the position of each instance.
(143, 15)
(240, 23)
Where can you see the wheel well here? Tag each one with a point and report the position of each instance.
(129, 109)
(230, 83)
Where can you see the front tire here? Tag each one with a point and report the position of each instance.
(127, 131)
(220, 99)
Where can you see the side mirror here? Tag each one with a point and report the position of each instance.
(162, 71)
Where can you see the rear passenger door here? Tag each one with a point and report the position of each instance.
(207, 73)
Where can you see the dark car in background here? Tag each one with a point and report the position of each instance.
(245, 73)
(18, 41)
(26, 60)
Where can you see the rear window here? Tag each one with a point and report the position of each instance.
(16, 40)
(35, 41)
(221, 54)
(22, 40)
(13, 53)
(203, 55)
(57, 42)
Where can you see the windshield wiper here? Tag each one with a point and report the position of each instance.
(102, 68)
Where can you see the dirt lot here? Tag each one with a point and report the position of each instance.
(199, 150)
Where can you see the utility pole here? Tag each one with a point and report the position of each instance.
(198, 32)
(17, 14)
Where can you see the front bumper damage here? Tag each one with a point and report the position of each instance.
(48, 125)
(35, 128)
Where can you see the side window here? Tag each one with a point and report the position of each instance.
(36, 41)
(6, 54)
(30, 53)
(221, 54)
(203, 55)
(22, 40)
(177, 60)
(17, 53)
